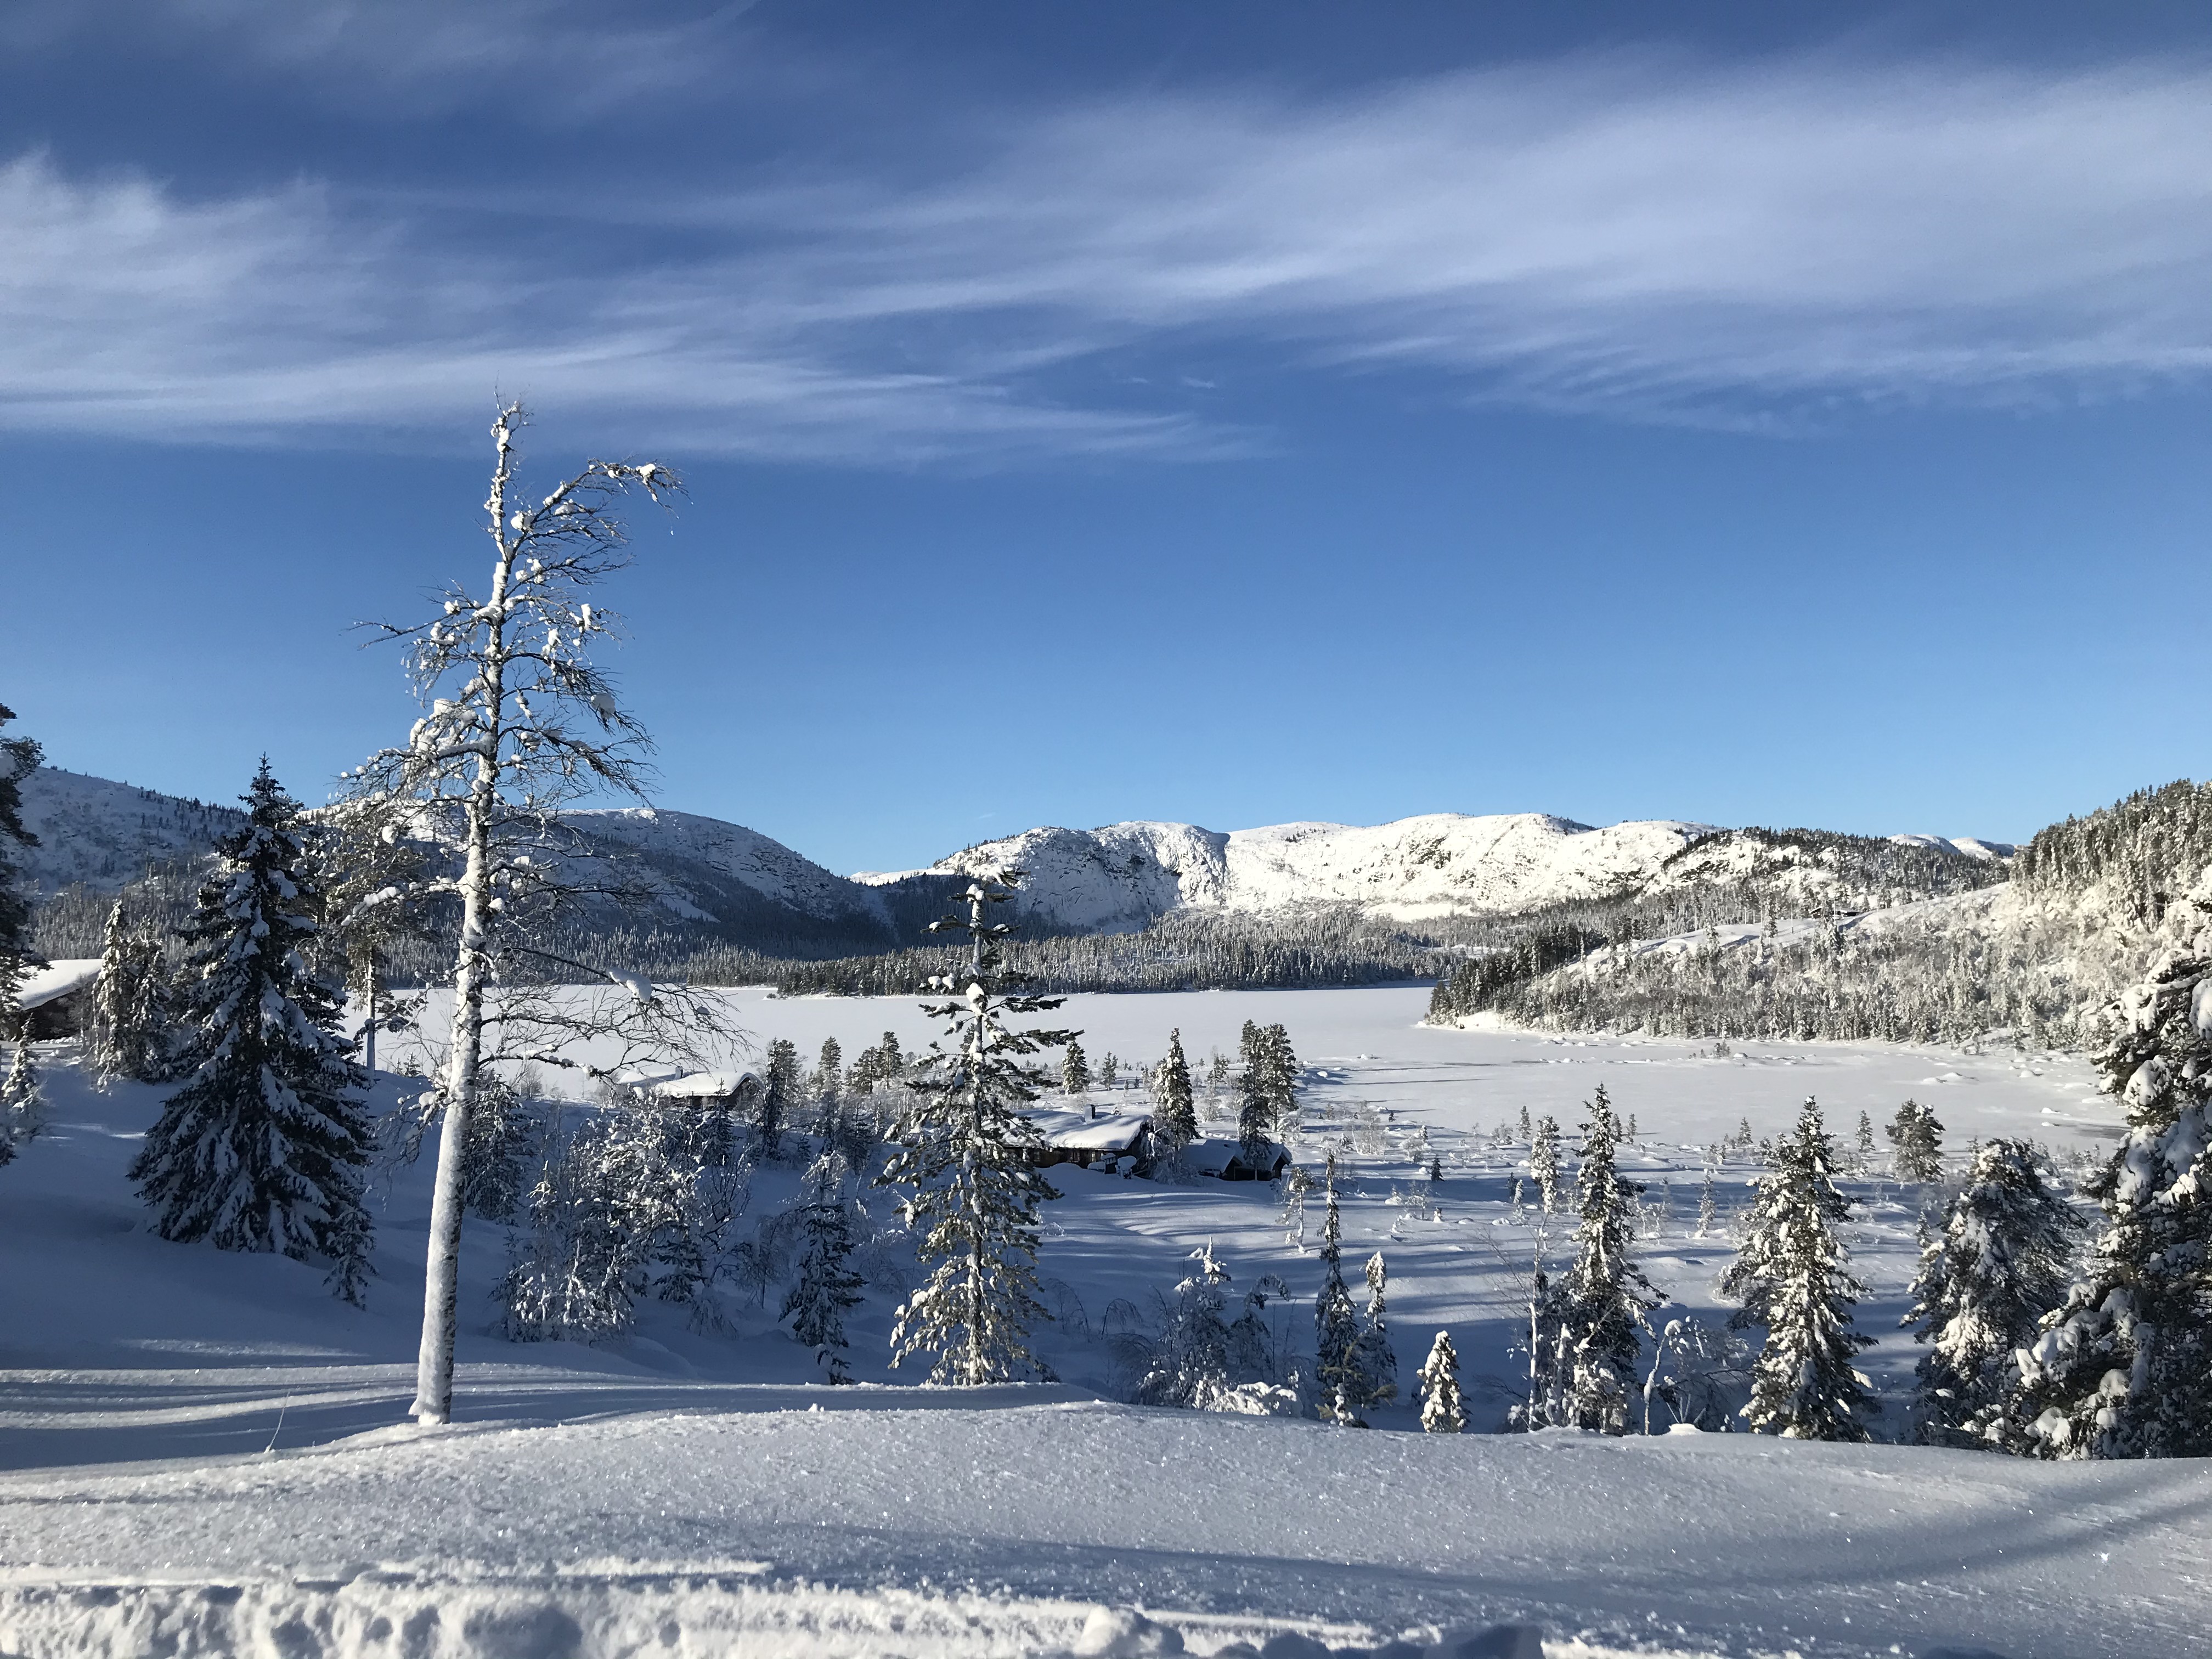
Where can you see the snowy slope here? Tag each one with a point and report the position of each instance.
(106, 833)
(1438, 865)
(673, 1492)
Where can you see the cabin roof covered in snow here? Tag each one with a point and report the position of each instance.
(1212, 1156)
(57, 980)
(699, 1086)
(1072, 1128)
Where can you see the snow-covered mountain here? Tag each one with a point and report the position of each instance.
(106, 835)
(722, 882)
(1444, 864)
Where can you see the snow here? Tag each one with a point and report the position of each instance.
(175, 1418)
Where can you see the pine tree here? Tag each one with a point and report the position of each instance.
(1377, 1362)
(1255, 1117)
(19, 758)
(825, 1288)
(1074, 1071)
(1544, 1161)
(779, 1094)
(1865, 1139)
(1919, 1139)
(128, 1033)
(965, 1160)
(1528, 1133)
(1175, 1121)
(1604, 1296)
(1336, 1326)
(830, 1071)
(22, 1100)
(1442, 1409)
(2001, 1263)
(1278, 1071)
(1708, 1200)
(1790, 1276)
(262, 1147)
(2124, 1367)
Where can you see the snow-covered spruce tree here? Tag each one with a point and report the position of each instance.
(128, 1033)
(1336, 1325)
(778, 1096)
(22, 1100)
(504, 1132)
(1544, 1161)
(964, 1160)
(1443, 1411)
(1174, 1119)
(829, 1082)
(19, 758)
(1190, 1361)
(2124, 1367)
(262, 1147)
(2001, 1260)
(1296, 1184)
(519, 724)
(1377, 1360)
(1790, 1276)
(1074, 1071)
(1604, 1296)
(1918, 1139)
(826, 1287)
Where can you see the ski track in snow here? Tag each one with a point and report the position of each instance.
(599, 1500)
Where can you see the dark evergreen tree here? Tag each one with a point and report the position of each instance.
(826, 1288)
(965, 1160)
(1336, 1325)
(2124, 1367)
(1255, 1117)
(1174, 1119)
(830, 1071)
(2001, 1260)
(1790, 1276)
(1604, 1296)
(262, 1147)
(778, 1096)
(1918, 1139)
(19, 758)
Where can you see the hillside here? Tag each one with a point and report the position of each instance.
(1164, 905)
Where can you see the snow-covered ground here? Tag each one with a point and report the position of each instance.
(174, 1418)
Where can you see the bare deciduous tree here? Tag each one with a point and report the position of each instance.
(519, 724)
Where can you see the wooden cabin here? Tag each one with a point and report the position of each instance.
(56, 1000)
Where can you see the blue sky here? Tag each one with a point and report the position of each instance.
(1232, 413)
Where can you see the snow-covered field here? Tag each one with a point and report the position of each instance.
(175, 1419)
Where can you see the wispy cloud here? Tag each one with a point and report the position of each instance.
(1625, 237)
(547, 60)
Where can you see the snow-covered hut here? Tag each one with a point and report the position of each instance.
(728, 1090)
(1227, 1160)
(1075, 1135)
(55, 999)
